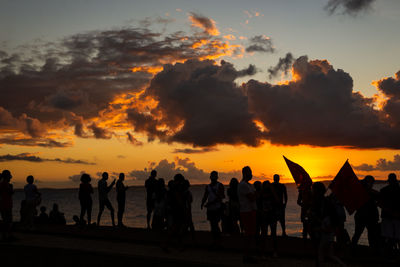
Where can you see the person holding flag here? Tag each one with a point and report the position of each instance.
(304, 200)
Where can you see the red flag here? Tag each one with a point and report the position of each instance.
(300, 176)
(348, 189)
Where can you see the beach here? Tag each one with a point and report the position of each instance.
(107, 246)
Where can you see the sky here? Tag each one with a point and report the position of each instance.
(196, 86)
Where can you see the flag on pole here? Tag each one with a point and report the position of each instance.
(348, 189)
(300, 176)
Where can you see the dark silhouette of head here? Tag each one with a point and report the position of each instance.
(179, 178)
(30, 179)
(369, 181)
(105, 175)
(247, 173)
(214, 176)
(122, 176)
(153, 174)
(257, 185)
(42, 209)
(392, 178)
(85, 178)
(276, 178)
(233, 183)
(6, 175)
(266, 185)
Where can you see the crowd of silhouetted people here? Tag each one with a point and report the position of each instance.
(250, 210)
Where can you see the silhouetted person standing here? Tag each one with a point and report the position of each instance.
(213, 195)
(32, 197)
(304, 200)
(121, 198)
(85, 198)
(389, 198)
(367, 216)
(6, 203)
(280, 191)
(151, 185)
(233, 207)
(248, 210)
(103, 197)
(269, 214)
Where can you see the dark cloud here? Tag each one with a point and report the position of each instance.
(49, 85)
(133, 140)
(381, 165)
(284, 65)
(40, 142)
(200, 104)
(32, 158)
(260, 43)
(351, 7)
(194, 150)
(100, 133)
(390, 88)
(319, 107)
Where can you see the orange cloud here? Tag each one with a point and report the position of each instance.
(230, 37)
(204, 23)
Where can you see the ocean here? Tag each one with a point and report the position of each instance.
(135, 211)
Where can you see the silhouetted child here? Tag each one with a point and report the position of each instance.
(43, 218)
(6, 192)
(33, 198)
(121, 198)
(103, 197)
(85, 198)
(56, 217)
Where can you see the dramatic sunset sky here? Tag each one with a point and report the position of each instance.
(195, 86)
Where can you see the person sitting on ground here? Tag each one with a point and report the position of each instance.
(43, 218)
(56, 217)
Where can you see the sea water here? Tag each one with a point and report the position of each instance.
(135, 210)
